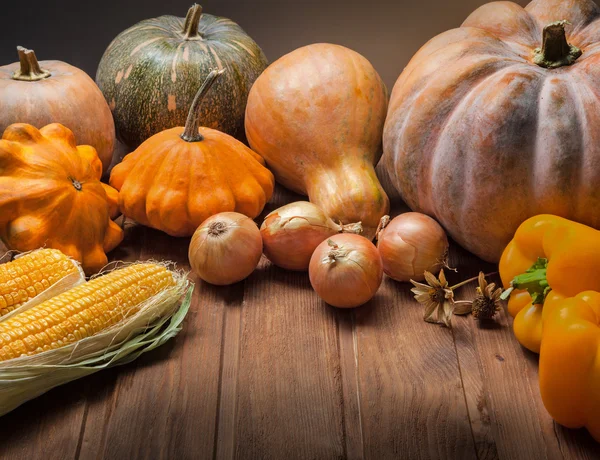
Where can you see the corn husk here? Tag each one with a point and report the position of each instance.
(158, 320)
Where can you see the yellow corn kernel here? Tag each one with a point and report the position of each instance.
(27, 276)
(82, 311)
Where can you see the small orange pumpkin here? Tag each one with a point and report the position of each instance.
(51, 195)
(44, 92)
(180, 177)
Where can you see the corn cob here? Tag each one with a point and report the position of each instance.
(82, 311)
(31, 274)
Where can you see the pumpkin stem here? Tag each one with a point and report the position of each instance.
(30, 68)
(555, 51)
(192, 20)
(190, 133)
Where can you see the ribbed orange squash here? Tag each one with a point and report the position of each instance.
(51, 195)
(181, 176)
(499, 120)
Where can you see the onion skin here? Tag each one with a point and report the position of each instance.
(225, 249)
(292, 233)
(411, 244)
(346, 270)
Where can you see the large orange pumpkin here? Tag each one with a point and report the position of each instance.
(316, 116)
(499, 120)
(45, 92)
(51, 195)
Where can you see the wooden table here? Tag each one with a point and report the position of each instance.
(265, 370)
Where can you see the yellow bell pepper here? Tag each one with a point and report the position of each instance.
(549, 259)
(570, 362)
(553, 266)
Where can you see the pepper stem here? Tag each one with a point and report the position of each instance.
(190, 133)
(30, 67)
(533, 281)
(192, 21)
(555, 51)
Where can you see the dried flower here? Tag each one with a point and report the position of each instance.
(487, 300)
(438, 298)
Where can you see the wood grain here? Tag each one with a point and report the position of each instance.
(474, 386)
(412, 402)
(351, 396)
(48, 426)
(501, 387)
(289, 394)
(264, 369)
(165, 404)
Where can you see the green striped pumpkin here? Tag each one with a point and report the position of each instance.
(151, 72)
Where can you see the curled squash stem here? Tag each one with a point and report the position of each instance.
(190, 133)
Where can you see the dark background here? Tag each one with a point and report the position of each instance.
(387, 32)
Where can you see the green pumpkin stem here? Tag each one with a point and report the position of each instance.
(556, 51)
(190, 133)
(30, 68)
(192, 21)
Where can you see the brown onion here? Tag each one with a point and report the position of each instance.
(411, 244)
(225, 249)
(345, 270)
(291, 233)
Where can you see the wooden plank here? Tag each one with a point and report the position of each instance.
(289, 391)
(47, 427)
(50, 424)
(264, 369)
(475, 389)
(511, 397)
(412, 402)
(501, 384)
(165, 404)
(230, 358)
(474, 386)
(353, 430)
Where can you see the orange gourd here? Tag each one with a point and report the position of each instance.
(180, 177)
(316, 116)
(51, 195)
